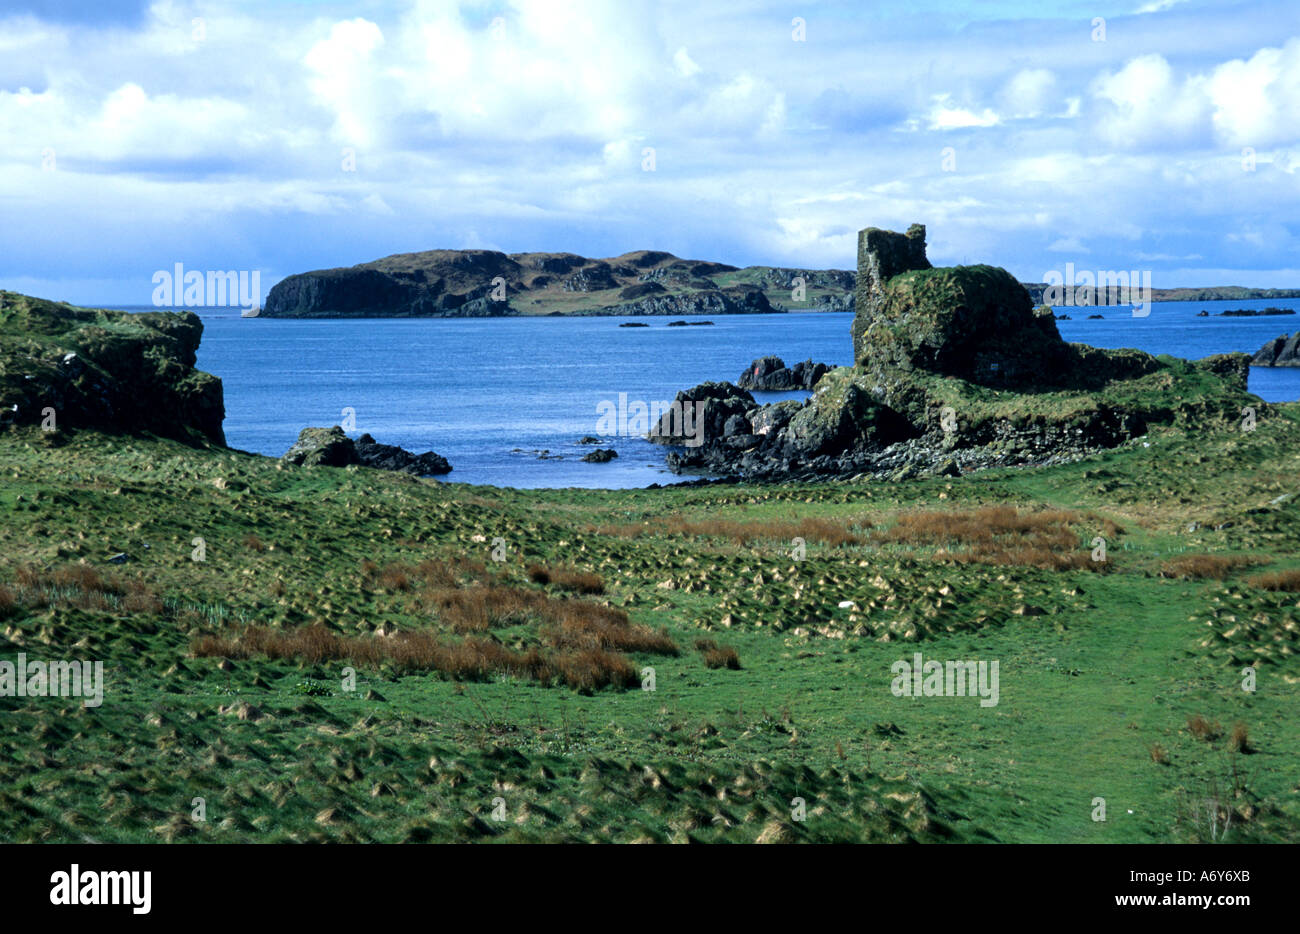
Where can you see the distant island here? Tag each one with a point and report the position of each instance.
(487, 283)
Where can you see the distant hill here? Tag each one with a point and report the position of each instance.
(1217, 293)
(478, 283)
(486, 283)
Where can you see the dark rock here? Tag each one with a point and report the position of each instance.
(322, 447)
(330, 447)
(770, 374)
(1280, 351)
(700, 414)
(735, 425)
(1255, 312)
(371, 453)
(736, 300)
(589, 439)
(600, 455)
(833, 420)
(770, 419)
(633, 324)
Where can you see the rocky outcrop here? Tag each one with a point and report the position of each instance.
(1269, 312)
(955, 370)
(322, 447)
(971, 322)
(79, 368)
(370, 453)
(439, 283)
(1280, 351)
(770, 374)
(704, 414)
(733, 301)
(330, 447)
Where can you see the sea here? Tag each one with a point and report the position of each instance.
(506, 400)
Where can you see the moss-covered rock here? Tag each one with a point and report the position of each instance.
(107, 370)
(976, 322)
(841, 414)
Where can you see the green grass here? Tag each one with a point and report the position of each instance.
(1096, 668)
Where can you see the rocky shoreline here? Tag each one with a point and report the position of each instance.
(955, 370)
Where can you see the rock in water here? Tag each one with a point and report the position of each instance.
(1280, 351)
(330, 447)
(371, 453)
(699, 415)
(770, 374)
(600, 456)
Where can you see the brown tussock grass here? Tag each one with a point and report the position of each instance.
(1200, 567)
(430, 573)
(473, 658)
(580, 625)
(480, 608)
(1203, 729)
(1001, 535)
(1239, 739)
(717, 656)
(584, 582)
(1277, 581)
(81, 586)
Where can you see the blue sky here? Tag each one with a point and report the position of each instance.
(286, 136)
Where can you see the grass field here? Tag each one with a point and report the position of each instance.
(504, 699)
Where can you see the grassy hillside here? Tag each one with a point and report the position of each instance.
(521, 680)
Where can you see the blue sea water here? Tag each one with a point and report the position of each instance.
(491, 394)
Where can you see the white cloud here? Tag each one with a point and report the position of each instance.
(1241, 102)
(1031, 92)
(531, 135)
(684, 64)
(944, 116)
(1257, 101)
(1146, 102)
(343, 77)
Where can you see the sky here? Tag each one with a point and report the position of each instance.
(285, 135)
